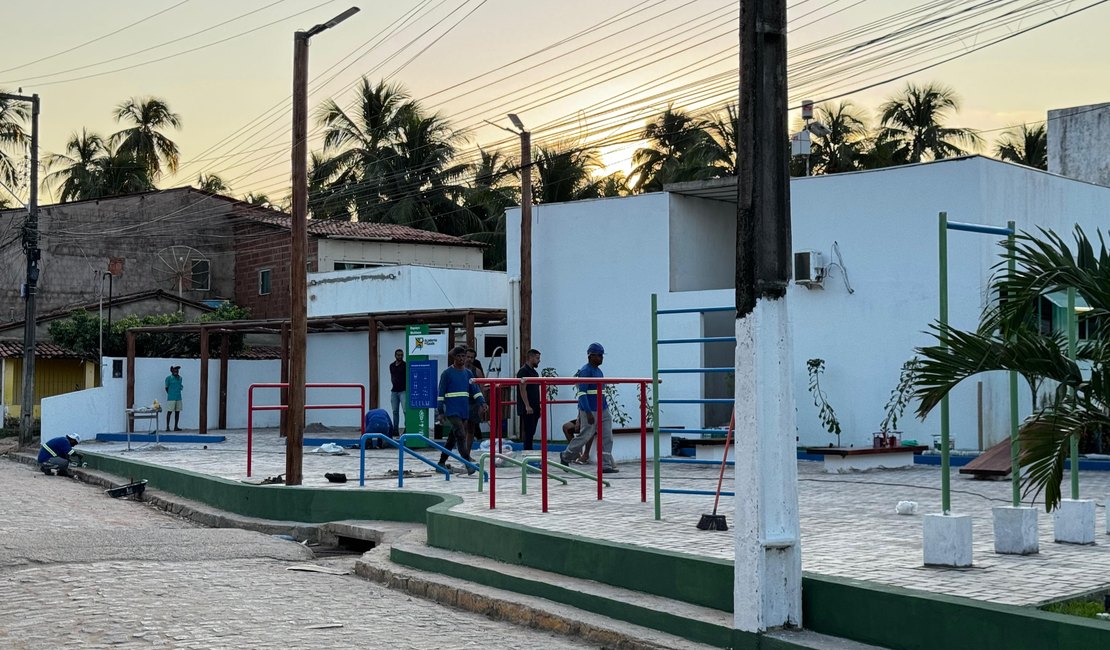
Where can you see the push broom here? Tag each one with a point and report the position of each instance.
(716, 521)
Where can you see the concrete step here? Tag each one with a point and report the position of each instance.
(609, 616)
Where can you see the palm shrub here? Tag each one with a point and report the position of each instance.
(1074, 401)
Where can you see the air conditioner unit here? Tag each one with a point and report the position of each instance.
(809, 269)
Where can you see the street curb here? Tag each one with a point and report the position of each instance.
(376, 566)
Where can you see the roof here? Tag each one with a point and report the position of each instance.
(260, 353)
(124, 299)
(333, 229)
(13, 349)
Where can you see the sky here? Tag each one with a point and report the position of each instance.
(576, 71)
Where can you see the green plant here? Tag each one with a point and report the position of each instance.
(1084, 608)
(900, 396)
(552, 389)
(815, 367)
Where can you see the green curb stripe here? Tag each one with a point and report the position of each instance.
(699, 631)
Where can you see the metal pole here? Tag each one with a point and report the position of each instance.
(31, 248)
(298, 281)
(1015, 446)
(655, 398)
(525, 243)
(1073, 339)
(945, 496)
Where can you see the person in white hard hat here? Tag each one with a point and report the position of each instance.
(54, 454)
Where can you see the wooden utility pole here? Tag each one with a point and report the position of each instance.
(767, 568)
(298, 269)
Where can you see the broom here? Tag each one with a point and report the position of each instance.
(716, 521)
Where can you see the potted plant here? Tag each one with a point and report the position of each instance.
(888, 434)
(816, 367)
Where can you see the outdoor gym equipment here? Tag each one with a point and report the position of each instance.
(403, 449)
(251, 408)
(656, 371)
(1015, 474)
(497, 385)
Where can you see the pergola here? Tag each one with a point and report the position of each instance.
(372, 323)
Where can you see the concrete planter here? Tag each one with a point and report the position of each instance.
(947, 540)
(1075, 521)
(1015, 530)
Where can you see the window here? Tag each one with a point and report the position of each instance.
(349, 266)
(202, 278)
(264, 282)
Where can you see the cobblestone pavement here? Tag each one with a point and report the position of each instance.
(217, 588)
(849, 527)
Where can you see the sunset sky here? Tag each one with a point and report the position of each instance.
(574, 70)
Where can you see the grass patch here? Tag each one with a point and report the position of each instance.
(1084, 608)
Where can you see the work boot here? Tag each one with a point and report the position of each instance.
(64, 472)
(46, 470)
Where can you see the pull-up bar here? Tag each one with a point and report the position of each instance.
(980, 228)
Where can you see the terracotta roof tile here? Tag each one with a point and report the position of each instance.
(364, 230)
(13, 349)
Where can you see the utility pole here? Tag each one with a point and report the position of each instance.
(768, 573)
(525, 237)
(33, 254)
(298, 268)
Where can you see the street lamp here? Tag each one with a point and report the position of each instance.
(298, 269)
(525, 337)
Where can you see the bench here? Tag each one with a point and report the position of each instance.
(839, 460)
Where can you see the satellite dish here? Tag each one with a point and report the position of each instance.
(181, 268)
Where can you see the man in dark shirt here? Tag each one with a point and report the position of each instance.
(398, 376)
(528, 398)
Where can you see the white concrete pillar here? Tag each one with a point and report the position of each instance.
(947, 540)
(767, 584)
(1074, 521)
(1015, 530)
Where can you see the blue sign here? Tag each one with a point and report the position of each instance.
(423, 384)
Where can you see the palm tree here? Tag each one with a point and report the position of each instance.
(143, 140)
(90, 170)
(680, 149)
(489, 193)
(12, 137)
(212, 183)
(1025, 146)
(725, 129)
(1008, 338)
(841, 150)
(566, 174)
(915, 120)
(359, 146)
(260, 199)
(77, 174)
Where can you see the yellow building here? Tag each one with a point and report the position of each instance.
(57, 371)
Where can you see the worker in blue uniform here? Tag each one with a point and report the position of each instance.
(589, 415)
(54, 454)
(377, 421)
(455, 395)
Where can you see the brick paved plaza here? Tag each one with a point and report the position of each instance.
(849, 524)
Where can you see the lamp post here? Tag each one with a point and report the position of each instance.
(525, 235)
(298, 270)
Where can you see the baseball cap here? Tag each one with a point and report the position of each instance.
(595, 348)
(172, 368)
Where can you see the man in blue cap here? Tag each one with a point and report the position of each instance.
(589, 417)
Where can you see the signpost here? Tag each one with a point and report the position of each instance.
(422, 377)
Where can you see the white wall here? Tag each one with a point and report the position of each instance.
(404, 288)
(1077, 141)
(331, 251)
(886, 226)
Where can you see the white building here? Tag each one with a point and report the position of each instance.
(596, 264)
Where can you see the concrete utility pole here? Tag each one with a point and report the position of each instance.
(525, 237)
(298, 268)
(768, 571)
(33, 254)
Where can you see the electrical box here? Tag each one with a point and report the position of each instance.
(809, 269)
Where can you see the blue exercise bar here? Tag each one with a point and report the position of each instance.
(675, 371)
(695, 310)
(975, 227)
(704, 339)
(401, 451)
(707, 400)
